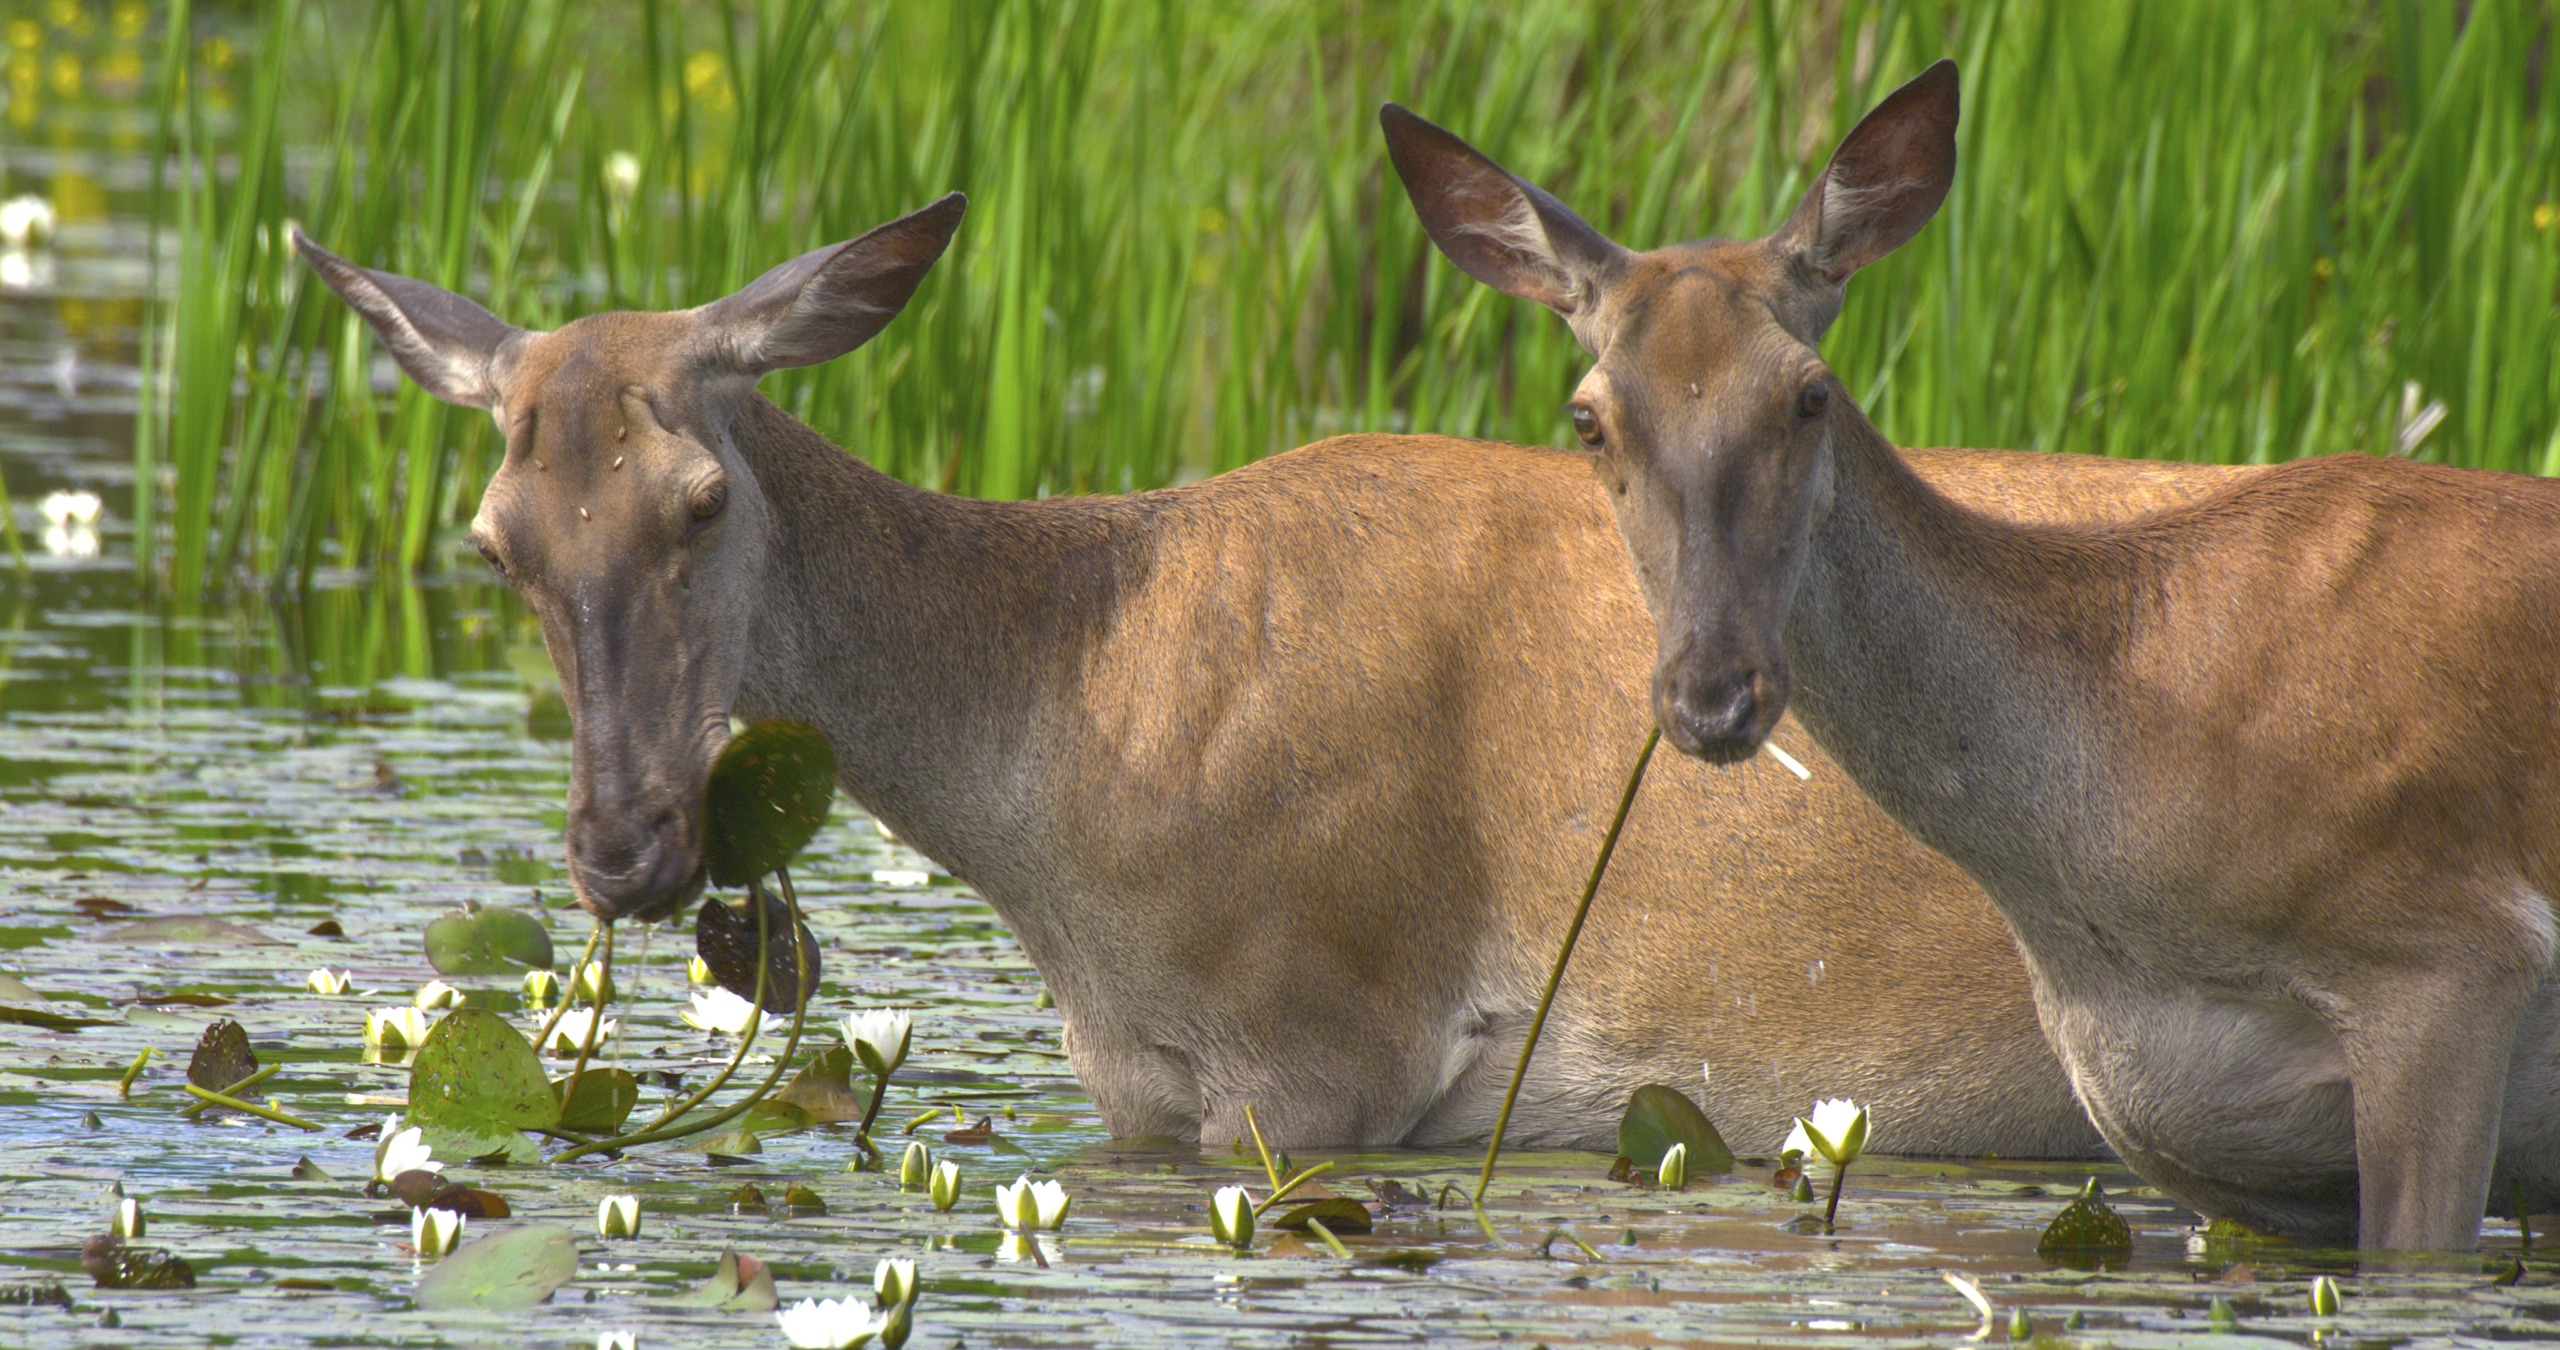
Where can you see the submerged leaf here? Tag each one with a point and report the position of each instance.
(1658, 1117)
(514, 1269)
(724, 936)
(222, 1057)
(488, 940)
(478, 1077)
(2086, 1226)
(765, 800)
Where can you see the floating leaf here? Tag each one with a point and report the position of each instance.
(16, 990)
(1658, 1117)
(488, 940)
(222, 1057)
(824, 1091)
(198, 928)
(747, 1199)
(50, 1021)
(800, 1199)
(602, 1102)
(307, 1170)
(765, 800)
(737, 1284)
(1339, 1213)
(2086, 1227)
(724, 936)
(478, 1078)
(514, 1269)
(116, 1266)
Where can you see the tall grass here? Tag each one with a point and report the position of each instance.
(2195, 230)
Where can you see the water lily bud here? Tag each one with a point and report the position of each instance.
(326, 981)
(128, 1222)
(893, 1281)
(541, 990)
(593, 983)
(1030, 1205)
(395, 1031)
(2221, 1315)
(945, 1185)
(434, 1231)
(1837, 1131)
(1231, 1217)
(915, 1166)
(438, 994)
(722, 1011)
(2324, 1296)
(2021, 1326)
(617, 1340)
(878, 1038)
(618, 1216)
(570, 1032)
(1803, 1193)
(834, 1324)
(699, 971)
(896, 1323)
(1674, 1172)
(396, 1150)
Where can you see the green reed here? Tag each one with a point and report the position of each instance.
(2191, 230)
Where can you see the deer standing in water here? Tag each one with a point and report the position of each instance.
(1286, 780)
(2267, 782)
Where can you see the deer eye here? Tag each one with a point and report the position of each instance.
(1813, 398)
(709, 498)
(489, 555)
(1586, 425)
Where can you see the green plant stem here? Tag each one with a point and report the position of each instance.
(746, 1041)
(1839, 1173)
(124, 1085)
(1316, 1226)
(243, 1085)
(569, 996)
(212, 1098)
(1271, 1169)
(595, 1021)
(1555, 976)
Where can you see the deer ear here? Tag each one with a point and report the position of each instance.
(821, 305)
(1884, 182)
(447, 344)
(1498, 229)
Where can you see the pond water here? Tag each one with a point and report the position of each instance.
(374, 754)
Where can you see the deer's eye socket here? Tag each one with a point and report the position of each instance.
(709, 498)
(1586, 425)
(1813, 398)
(489, 555)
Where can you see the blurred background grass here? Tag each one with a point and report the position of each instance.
(2180, 229)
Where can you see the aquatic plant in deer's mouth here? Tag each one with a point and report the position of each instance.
(829, 1324)
(397, 1150)
(719, 1010)
(1231, 1217)
(1030, 1205)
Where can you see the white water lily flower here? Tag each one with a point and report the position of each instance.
(541, 990)
(395, 1031)
(832, 1324)
(617, 1340)
(592, 982)
(901, 877)
(323, 980)
(1029, 1205)
(70, 508)
(945, 1185)
(434, 1231)
(396, 1150)
(878, 1037)
(722, 1011)
(438, 994)
(1838, 1130)
(128, 1221)
(1674, 1171)
(26, 221)
(893, 1281)
(618, 1216)
(1798, 1142)
(914, 1166)
(1231, 1217)
(570, 1032)
(699, 971)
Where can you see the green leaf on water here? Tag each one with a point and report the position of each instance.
(517, 1268)
(202, 929)
(766, 798)
(737, 1284)
(824, 1091)
(1658, 1117)
(1340, 1213)
(222, 1057)
(488, 940)
(2087, 1225)
(476, 1084)
(603, 1101)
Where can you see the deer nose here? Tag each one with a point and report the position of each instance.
(1712, 717)
(638, 870)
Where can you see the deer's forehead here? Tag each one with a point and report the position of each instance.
(1691, 322)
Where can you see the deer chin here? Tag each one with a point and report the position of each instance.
(673, 883)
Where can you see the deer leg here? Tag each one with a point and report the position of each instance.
(2430, 1069)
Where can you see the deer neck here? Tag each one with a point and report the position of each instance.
(928, 637)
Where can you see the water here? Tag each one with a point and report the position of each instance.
(375, 754)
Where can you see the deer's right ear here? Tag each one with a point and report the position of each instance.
(446, 343)
(823, 304)
(1498, 229)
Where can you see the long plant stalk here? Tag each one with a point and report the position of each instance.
(1555, 975)
(569, 996)
(595, 1011)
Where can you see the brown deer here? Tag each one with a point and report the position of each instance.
(2265, 782)
(1286, 780)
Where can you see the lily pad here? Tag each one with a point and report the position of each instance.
(478, 1078)
(488, 940)
(1339, 1214)
(2087, 1227)
(116, 1266)
(765, 800)
(737, 1284)
(1658, 1117)
(602, 1102)
(197, 928)
(824, 1091)
(724, 936)
(50, 1021)
(518, 1268)
(222, 1057)
(15, 990)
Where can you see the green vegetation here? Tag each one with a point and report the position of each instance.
(2188, 229)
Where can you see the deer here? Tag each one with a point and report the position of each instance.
(2264, 779)
(1280, 778)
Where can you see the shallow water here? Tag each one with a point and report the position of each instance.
(376, 754)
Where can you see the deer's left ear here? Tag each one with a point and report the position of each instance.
(1884, 182)
(449, 345)
(823, 304)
